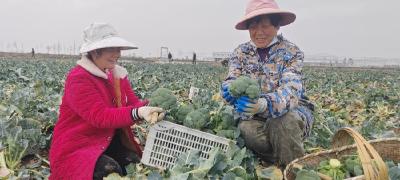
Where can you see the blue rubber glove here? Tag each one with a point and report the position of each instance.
(249, 106)
(227, 96)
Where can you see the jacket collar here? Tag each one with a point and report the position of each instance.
(275, 40)
(89, 66)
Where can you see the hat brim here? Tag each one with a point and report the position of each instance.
(108, 42)
(287, 17)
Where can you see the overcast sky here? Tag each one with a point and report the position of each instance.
(357, 28)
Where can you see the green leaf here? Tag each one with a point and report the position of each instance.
(238, 158)
(239, 171)
(154, 176)
(186, 162)
(394, 172)
(183, 176)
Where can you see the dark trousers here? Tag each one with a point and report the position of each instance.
(276, 141)
(114, 159)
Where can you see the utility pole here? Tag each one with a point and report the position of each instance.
(16, 46)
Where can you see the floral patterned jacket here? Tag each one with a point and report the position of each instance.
(279, 75)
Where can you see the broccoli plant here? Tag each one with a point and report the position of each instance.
(164, 98)
(394, 172)
(245, 86)
(353, 166)
(227, 119)
(235, 163)
(332, 168)
(197, 119)
(182, 111)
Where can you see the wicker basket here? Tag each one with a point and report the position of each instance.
(387, 149)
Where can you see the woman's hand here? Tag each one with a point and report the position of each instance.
(151, 114)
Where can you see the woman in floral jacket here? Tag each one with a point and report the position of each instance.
(92, 136)
(273, 125)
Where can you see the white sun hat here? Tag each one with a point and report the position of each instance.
(102, 35)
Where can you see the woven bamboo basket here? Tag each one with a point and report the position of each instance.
(368, 151)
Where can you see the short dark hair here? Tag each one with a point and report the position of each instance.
(275, 19)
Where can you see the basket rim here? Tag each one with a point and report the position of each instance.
(288, 167)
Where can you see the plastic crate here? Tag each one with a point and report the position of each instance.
(167, 140)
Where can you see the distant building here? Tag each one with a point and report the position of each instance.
(220, 56)
(336, 61)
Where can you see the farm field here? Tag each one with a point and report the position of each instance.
(30, 93)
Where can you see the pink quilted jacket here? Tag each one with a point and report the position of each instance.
(87, 122)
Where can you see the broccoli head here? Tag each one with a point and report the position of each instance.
(183, 110)
(163, 98)
(197, 119)
(245, 86)
(227, 119)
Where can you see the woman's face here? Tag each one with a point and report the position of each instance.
(106, 58)
(262, 32)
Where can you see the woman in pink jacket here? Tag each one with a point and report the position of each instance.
(92, 136)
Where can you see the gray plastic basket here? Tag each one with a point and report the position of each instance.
(167, 140)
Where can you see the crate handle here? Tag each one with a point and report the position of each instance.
(365, 151)
(160, 126)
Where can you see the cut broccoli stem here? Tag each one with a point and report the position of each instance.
(4, 171)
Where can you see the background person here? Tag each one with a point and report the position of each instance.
(194, 58)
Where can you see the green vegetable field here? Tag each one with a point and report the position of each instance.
(30, 94)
